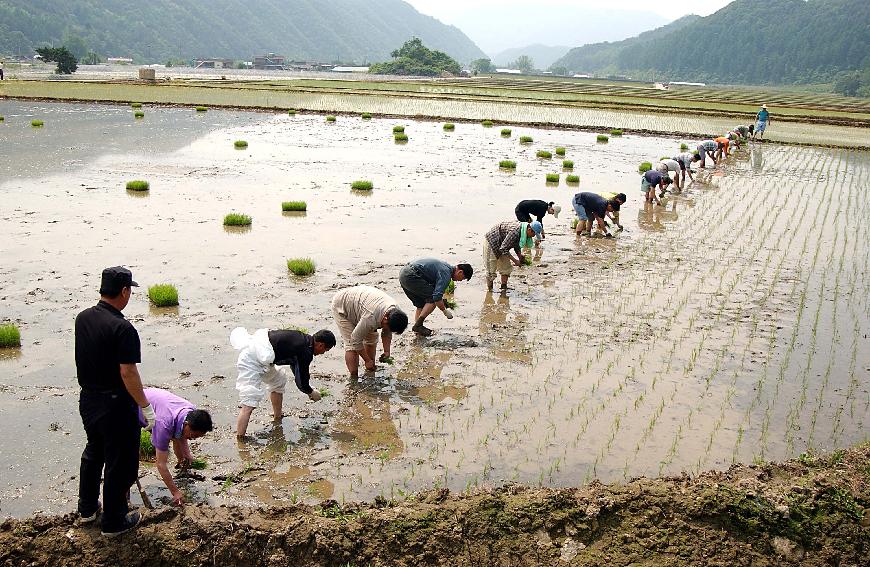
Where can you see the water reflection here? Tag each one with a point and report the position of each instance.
(501, 331)
(652, 218)
(364, 421)
(756, 157)
(420, 378)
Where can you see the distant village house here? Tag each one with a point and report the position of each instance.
(268, 61)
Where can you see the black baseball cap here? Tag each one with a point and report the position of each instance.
(115, 279)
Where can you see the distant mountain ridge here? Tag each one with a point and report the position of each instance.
(747, 41)
(359, 31)
(542, 55)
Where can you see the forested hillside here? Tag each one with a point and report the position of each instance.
(157, 30)
(748, 41)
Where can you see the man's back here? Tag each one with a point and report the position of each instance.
(103, 341)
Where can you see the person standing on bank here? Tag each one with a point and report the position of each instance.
(528, 207)
(424, 281)
(107, 350)
(259, 374)
(499, 241)
(176, 420)
(359, 312)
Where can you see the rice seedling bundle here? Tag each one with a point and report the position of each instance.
(10, 336)
(644, 167)
(362, 185)
(237, 219)
(449, 126)
(398, 129)
(507, 164)
(526, 139)
(684, 147)
(560, 151)
(202, 109)
(544, 154)
(572, 179)
(240, 144)
(602, 138)
(291, 112)
(506, 132)
(139, 114)
(552, 178)
(36, 123)
(136, 105)
(567, 164)
(487, 123)
(616, 132)
(138, 185)
(401, 137)
(163, 295)
(301, 266)
(294, 206)
(330, 118)
(366, 116)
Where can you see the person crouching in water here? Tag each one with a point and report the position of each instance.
(498, 243)
(261, 355)
(648, 183)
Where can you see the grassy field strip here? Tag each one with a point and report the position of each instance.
(502, 113)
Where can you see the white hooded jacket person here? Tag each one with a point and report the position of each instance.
(257, 373)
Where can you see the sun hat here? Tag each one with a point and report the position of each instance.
(537, 227)
(556, 210)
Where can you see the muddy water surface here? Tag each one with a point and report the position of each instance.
(728, 325)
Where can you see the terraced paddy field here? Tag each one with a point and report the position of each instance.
(728, 326)
(799, 118)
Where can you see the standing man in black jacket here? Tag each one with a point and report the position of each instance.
(107, 350)
(528, 207)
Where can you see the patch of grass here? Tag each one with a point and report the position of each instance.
(198, 464)
(136, 105)
(240, 144)
(544, 154)
(507, 164)
(36, 123)
(10, 336)
(237, 219)
(138, 185)
(567, 164)
(139, 114)
(294, 206)
(400, 138)
(291, 112)
(163, 295)
(552, 178)
(449, 126)
(301, 266)
(616, 132)
(330, 118)
(366, 116)
(487, 123)
(602, 138)
(644, 167)
(362, 185)
(526, 139)
(202, 109)
(146, 448)
(398, 129)
(560, 151)
(506, 132)
(572, 179)
(684, 147)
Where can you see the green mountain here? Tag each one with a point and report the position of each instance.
(747, 41)
(156, 30)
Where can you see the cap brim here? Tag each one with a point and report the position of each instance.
(133, 284)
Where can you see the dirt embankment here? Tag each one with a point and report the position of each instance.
(807, 512)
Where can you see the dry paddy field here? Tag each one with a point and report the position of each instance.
(728, 326)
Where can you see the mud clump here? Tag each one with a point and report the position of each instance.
(806, 512)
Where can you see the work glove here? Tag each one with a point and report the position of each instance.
(148, 414)
(314, 396)
(448, 313)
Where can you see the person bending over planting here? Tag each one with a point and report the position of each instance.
(707, 149)
(724, 147)
(528, 207)
(359, 312)
(424, 281)
(671, 166)
(686, 159)
(176, 420)
(259, 360)
(592, 207)
(648, 183)
(499, 241)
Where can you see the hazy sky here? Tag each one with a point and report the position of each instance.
(496, 25)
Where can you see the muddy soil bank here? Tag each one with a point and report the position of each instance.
(810, 511)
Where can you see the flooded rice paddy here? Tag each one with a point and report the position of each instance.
(728, 326)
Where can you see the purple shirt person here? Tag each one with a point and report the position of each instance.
(176, 421)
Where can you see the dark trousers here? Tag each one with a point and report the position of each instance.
(112, 426)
